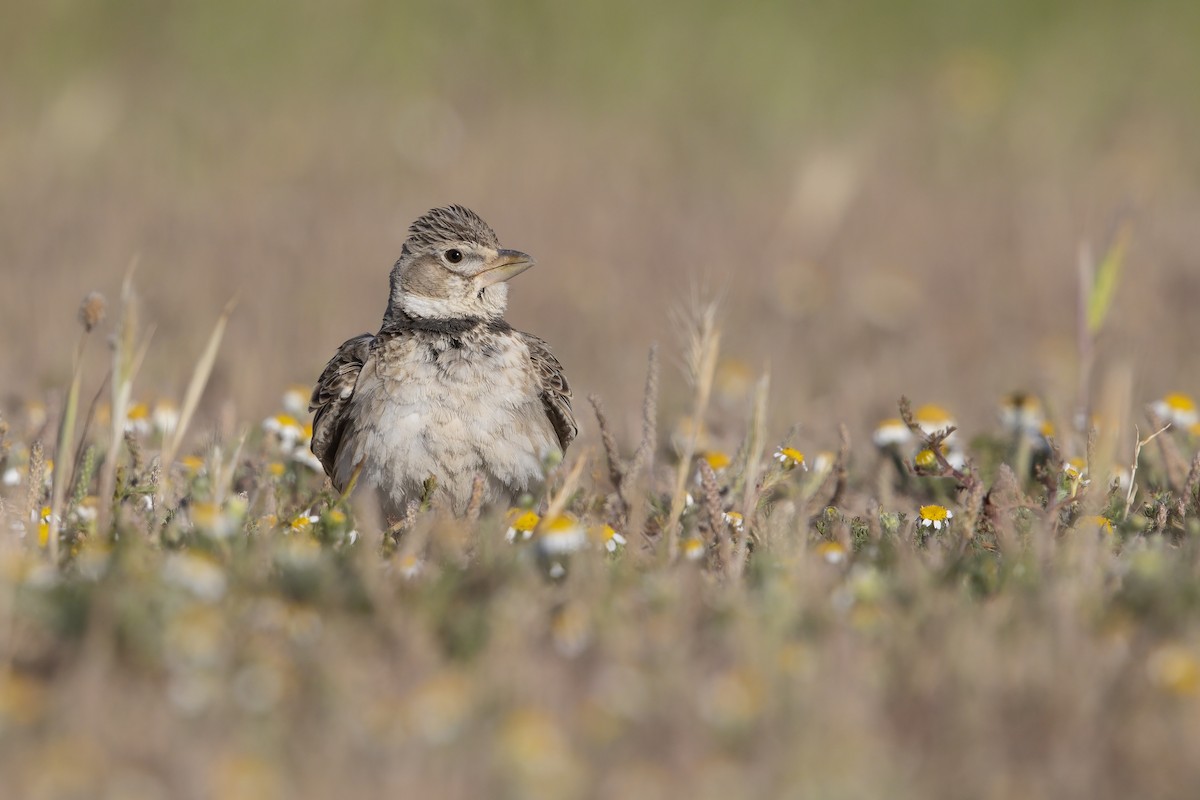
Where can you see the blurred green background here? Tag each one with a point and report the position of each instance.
(890, 196)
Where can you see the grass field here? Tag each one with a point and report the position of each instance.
(778, 222)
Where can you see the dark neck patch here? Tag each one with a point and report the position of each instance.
(397, 320)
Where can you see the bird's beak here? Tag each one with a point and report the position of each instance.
(506, 265)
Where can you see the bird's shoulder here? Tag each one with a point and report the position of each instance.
(552, 386)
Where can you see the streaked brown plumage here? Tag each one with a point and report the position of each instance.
(446, 389)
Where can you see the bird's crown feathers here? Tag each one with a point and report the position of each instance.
(453, 223)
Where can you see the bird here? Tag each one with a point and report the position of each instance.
(446, 389)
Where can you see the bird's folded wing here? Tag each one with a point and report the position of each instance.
(332, 395)
(552, 385)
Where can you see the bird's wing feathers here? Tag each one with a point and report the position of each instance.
(553, 388)
(332, 395)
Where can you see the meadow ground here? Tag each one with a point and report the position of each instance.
(992, 211)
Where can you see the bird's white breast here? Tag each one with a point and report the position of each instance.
(431, 408)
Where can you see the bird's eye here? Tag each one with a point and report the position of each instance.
(453, 256)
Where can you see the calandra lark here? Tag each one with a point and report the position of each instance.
(446, 389)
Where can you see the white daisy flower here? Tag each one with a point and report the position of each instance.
(609, 538)
(562, 534)
(934, 516)
(165, 417)
(932, 418)
(790, 457)
(411, 566)
(137, 419)
(1178, 409)
(521, 525)
(832, 552)
(295, 400)
(891, 433)
(693, 548)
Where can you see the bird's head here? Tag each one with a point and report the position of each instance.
(452, 267)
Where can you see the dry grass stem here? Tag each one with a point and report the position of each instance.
(612, 455)
(191, 397)
(753, 452)
(127, 357)
(643, 457)
(703, 342)
(1139, 443)
(558, 503)
(841, 468)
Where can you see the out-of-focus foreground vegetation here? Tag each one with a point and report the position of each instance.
(951, 201)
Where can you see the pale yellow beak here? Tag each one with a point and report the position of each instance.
(506, 265)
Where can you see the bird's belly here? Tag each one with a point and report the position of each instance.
(451, 421)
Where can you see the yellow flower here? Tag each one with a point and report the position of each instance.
(563, 534)
(1178, 409)
(194, 465)
(716, 459)
(1104, 525)
(282, 421)
(932, 418)
(1075, 469)
(608, 538)
(410, 566)
(521, 524)
(287, 428)
(303, 521)
(1175, 669)
(926, 459)
(934, 516)
(832, 552)
(790, 457)
(735, 520)
(44, 526)
(693, 548)
(205, 515)
(137, 419)
(276, 469)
